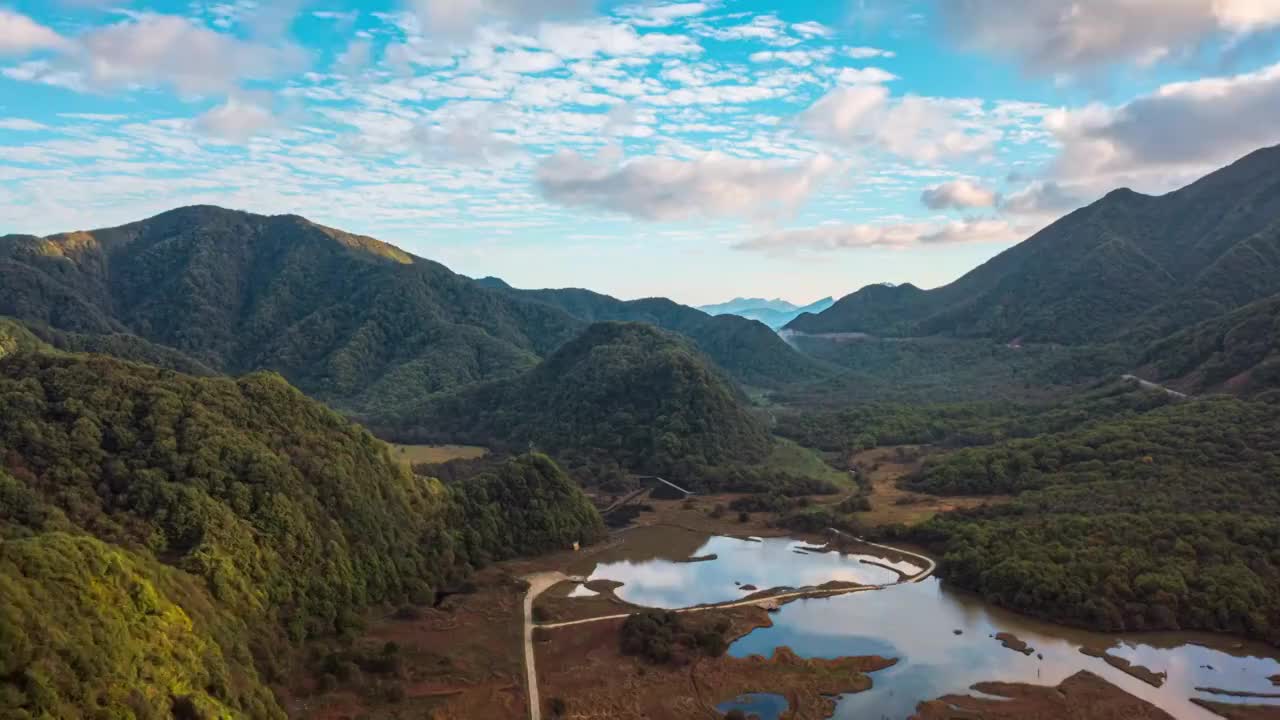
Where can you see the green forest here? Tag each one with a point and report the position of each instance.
(165, 539)
(1161, 520)
(624, 395)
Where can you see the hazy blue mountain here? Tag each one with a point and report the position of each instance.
(774, 313)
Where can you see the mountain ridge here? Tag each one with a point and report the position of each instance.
(774, 313)
(351, 320)
(1127, 265)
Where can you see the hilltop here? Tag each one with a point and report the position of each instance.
(643, 397)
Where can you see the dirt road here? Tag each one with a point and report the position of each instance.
(538, 584)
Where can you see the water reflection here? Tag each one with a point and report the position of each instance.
(916, 623)
(649, 564)
(766, 706)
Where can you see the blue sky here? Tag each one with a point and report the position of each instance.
(697, 150)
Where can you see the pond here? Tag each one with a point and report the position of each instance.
(766, 706)
(914, 622)
(664, 567)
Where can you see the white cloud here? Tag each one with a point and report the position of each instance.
(21, 125)
(20, 34)
(602, 38)
(467, 137)
(767, 29)
(1050, 36)
(662, 15)
(865, 53)
(1041, 197)
(1159, 140)
(863, 76)
(355, 58)
(812, 29)
(666, 189)
(902, 235)
(799, 58)
(342, 19)
(237, 120)
(958, 194)
(153, 50)
(917, 128)
(463, 17)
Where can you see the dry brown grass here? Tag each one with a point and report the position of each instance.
(891, 504)
(410, 455)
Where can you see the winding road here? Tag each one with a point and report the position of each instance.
(543, 581)
(930, 565)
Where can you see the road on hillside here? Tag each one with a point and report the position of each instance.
(1148, 385)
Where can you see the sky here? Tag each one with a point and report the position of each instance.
(697, 150)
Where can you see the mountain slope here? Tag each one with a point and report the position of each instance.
(748, 351)
(642, 397)
(1128, 265)
(1238, 352)
(348, 319)
(164, 537)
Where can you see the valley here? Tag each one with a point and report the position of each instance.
(253, 466)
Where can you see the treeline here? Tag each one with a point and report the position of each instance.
(944, 370)
(864, 426)
(1163, 520)
(163, 538)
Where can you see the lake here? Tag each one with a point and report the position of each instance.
(914, 622)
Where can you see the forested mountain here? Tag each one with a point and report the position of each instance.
(348, 319)
(1238, 352)
(626, 392)
(1128, 266)
(748, 350)
(163, 537)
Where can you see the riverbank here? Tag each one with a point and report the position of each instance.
(582, 669)
(1083, 696)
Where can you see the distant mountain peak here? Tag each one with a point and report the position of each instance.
(1128, 264)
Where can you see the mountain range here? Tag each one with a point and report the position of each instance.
(348, 319)
(1130, 268)
(775, 313)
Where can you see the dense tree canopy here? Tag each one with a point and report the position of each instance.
(1164, 519)
(198, 523)
(624, 392)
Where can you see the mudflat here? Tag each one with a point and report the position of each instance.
(1083, 696)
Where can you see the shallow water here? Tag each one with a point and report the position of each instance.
(915, 622)
(653, 578)
(766, 706)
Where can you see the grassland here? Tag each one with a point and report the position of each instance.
(790, 457)
(410, 455)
